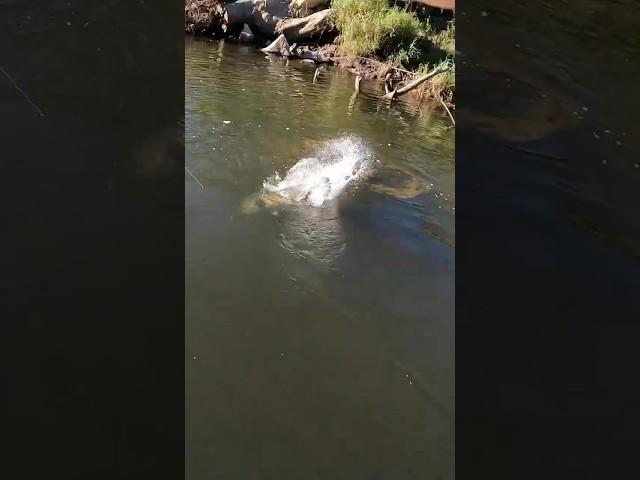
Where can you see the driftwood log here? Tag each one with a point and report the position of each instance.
(269, 18)
(306, 28)
(261, 16)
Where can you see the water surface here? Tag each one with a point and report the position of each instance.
(319, 340)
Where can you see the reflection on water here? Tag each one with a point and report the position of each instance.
(319, 271)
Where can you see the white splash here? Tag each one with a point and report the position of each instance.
(322, 177)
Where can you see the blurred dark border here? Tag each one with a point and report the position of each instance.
(92, 247)
(92, 243)
(547, 239)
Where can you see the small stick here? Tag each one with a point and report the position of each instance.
(387, 83)
(415, 83)
(357, 84)
(24, 94)
(194, 177)
(316, 75)
(448, 111)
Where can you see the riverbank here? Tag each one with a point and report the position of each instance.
(408, 48)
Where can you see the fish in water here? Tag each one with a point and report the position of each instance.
(271, 201)
(336, 165)
(320, 178)
(397, 183)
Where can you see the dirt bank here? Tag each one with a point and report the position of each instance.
(409, 50)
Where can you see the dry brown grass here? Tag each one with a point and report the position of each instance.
(441, 87)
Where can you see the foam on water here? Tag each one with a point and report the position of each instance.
(317, 179)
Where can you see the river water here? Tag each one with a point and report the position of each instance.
(319, 338)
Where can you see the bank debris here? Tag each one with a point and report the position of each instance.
(407, 45)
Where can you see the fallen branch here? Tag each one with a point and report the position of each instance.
(448, 111)
(414, 84)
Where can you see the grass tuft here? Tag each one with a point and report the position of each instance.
(372, 27)
(445, 40)
(441, 86)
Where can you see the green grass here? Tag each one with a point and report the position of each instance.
(372, 27)
(399, 39)
(445, 40)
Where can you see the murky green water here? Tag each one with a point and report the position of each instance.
(319, 341)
